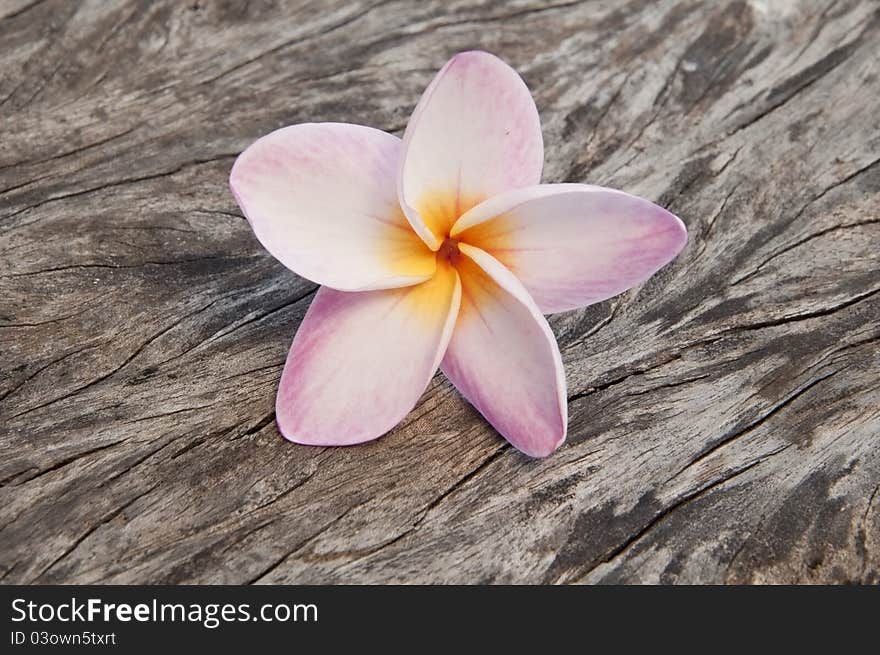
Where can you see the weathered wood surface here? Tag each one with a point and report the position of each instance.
(724, 416)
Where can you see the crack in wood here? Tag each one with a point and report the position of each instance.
(116, 183)
(298, 40)
(659, 517)
(261, 315)
(618, 380)
(91, 530)
(267, 420)
(65, 462)
(299, 546)
(138, 461)
(800, 242)
(738, 432)
(87, 266)
(68, 153)
(482, 466)
(22, 10)
(794, 318)
(809, 76)
(125, 363)
(42, 368)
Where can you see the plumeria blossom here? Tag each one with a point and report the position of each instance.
(441, 249)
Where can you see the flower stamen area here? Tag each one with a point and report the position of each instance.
(449, 251)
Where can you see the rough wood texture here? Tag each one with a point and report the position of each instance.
(724, 416)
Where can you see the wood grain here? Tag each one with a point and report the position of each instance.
(725, 416)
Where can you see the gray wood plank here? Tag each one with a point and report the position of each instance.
(724, 416)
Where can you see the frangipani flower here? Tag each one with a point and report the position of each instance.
(442, 249)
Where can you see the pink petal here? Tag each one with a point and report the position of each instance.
(574, 244)
(321, 197)
(360, 361)
(504, 358)
(474, 133)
